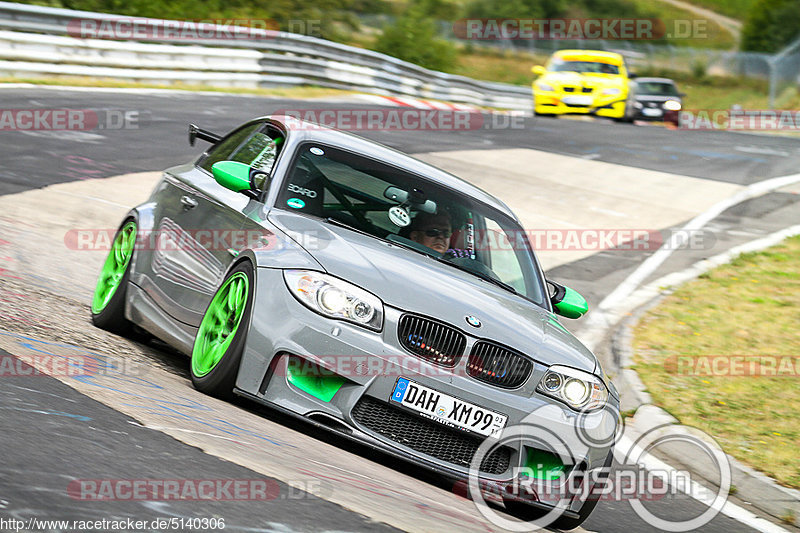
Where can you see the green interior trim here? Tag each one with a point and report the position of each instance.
(544, 465)
(313, 379)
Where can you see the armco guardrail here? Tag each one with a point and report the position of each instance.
(35, 41)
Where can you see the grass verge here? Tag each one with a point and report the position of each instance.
(736, 9)
(710, 33)
(750, 307)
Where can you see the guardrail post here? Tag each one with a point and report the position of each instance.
(773, 80)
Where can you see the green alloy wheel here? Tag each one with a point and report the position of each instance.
(108, 303)
(220, 339)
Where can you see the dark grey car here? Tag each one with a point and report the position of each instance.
(654, 99)
(288, 262)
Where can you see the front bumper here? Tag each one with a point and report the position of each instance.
(666, 116)
(370, 363)
(557, 103)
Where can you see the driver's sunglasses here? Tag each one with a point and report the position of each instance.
(435, 232)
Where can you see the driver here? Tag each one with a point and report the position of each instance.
(433, 231)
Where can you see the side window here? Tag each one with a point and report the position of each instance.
(223, 150)
(304, 190)
(250, 145)
(258, 151)
(503, 256)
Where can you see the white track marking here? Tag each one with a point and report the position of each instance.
(609, 212)
(543, 188)
(759, 150)
(204, 433)
(614, 303)
(698, 491)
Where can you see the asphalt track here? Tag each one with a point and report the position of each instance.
(56, 433)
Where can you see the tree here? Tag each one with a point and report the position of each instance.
(413, 38)
(771, 25)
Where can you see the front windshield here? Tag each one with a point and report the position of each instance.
(591, 67)
(392, 204)
(657, 88)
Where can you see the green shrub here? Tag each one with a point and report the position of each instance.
(413, 37)
(771, 25)
(699, 69)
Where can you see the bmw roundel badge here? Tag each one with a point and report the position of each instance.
(473, 321)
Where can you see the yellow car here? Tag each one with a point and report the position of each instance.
(588, 82)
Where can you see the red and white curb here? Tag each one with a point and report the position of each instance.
(416, 103)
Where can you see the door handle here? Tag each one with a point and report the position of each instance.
(188, 202)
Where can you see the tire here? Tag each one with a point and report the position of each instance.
(220, 339)
(108, 302)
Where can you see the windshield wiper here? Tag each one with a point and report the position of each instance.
(481, 275)
(337, 222)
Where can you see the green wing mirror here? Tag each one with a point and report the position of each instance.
(567, 302)
(239, 177)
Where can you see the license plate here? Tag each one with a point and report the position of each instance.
(577, 100)
(651, 112)
(447, 409)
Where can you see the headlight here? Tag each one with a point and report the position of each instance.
(335, 298)
(544, 87)
(610, 90)
(578, 389)
(672, 105)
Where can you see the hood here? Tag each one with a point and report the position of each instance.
(590, 79)
(655, 98)
(413, 282)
